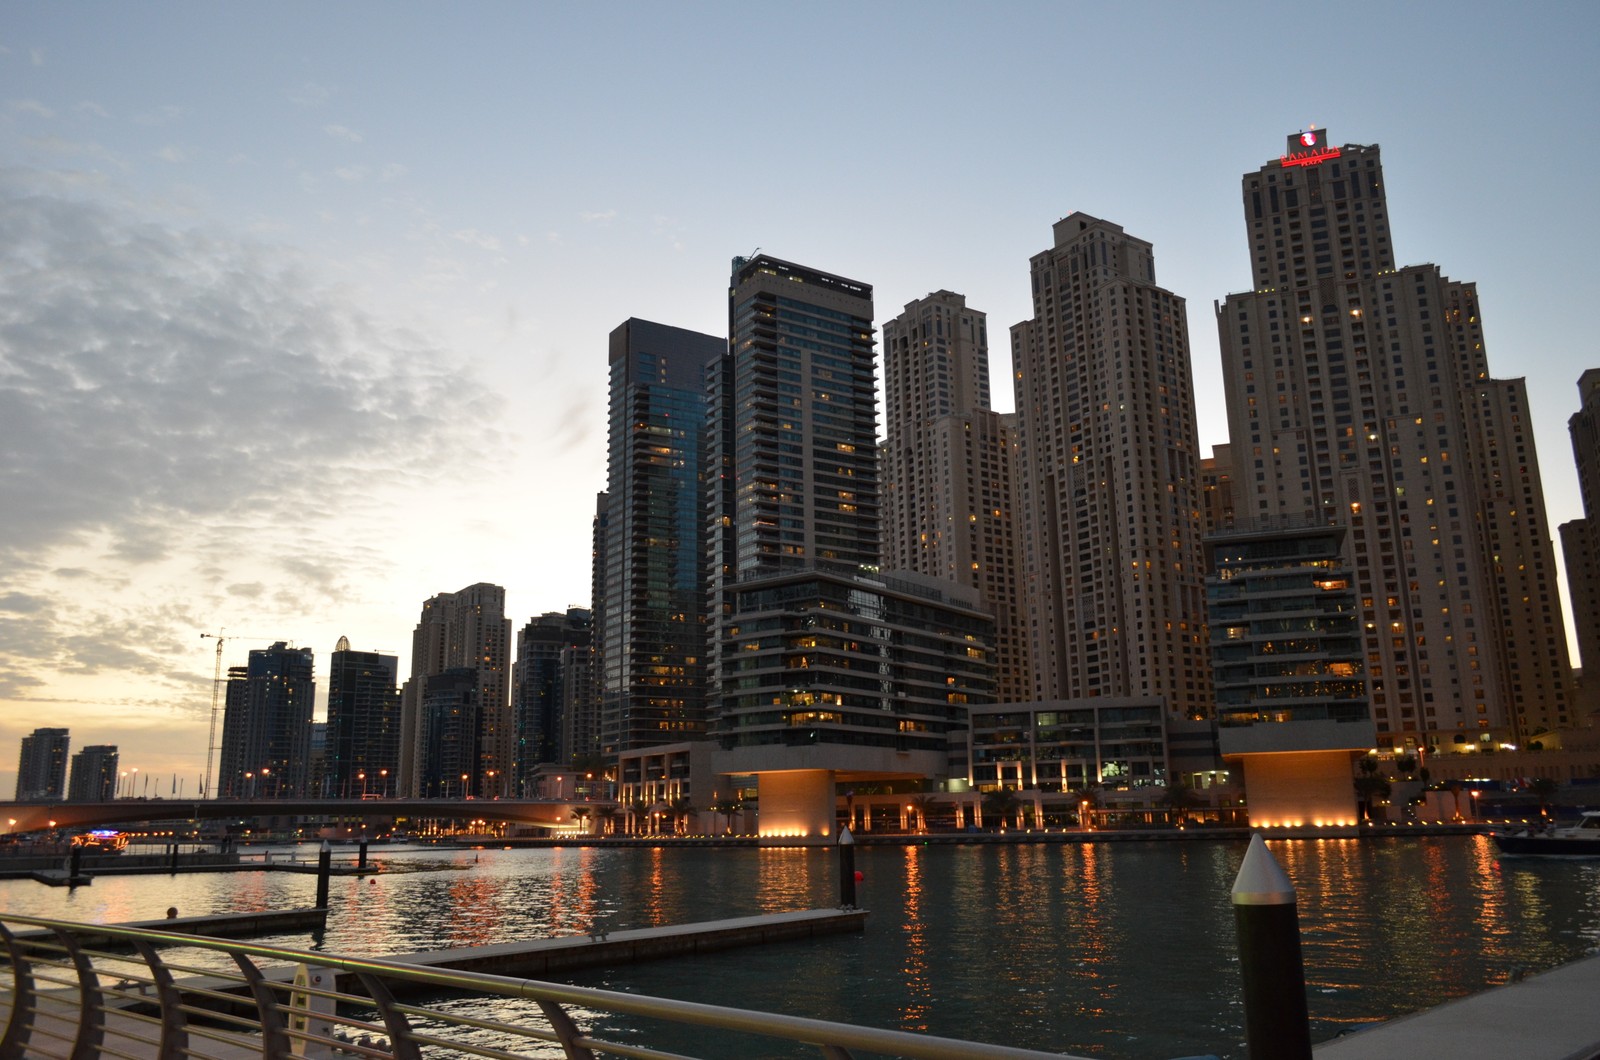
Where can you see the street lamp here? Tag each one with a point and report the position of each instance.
(383, 785)
(362, 776)
(249, 785)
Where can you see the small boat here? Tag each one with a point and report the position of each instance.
(1581, 840)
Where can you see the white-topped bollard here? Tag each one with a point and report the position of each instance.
(1276, 1023)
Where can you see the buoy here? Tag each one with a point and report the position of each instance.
(860, 875)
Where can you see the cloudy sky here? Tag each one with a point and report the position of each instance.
(303, 307)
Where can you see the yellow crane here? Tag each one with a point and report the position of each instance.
(221, 636)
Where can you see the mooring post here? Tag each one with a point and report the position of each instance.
(74, 863)
(1277, 1025)
(847, 869)
(361, 854)
(324, 869)
(172, 865)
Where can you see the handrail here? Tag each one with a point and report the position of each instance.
(314, 1015)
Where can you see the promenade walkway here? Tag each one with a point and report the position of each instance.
(1553, 1016)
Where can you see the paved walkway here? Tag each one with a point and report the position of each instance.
(1554, 1016)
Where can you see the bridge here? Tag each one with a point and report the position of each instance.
(38, 816)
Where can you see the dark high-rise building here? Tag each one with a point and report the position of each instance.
(1111, 493)
(94, 774)
(450, 764)
(1359, 395)
(552, 655)
(42, 766)
(363, 738)
(461, 629)
(1580, 538)
(650, 594)
(266, 727)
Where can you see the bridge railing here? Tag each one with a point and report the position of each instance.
(95, 990)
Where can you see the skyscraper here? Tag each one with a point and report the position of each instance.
(266, 726)
(1580, 538)
(94, 774)
(552, 654)
(1359, 395)
(42, 765)
(1110, 481)
(363, 735)
(650, 603)
(461, 629)
(948, 468)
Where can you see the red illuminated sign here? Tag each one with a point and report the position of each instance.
(1309, 158)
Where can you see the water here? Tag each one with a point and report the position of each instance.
(1121, 950)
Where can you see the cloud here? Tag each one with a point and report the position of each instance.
(598, 217)
(393, 171)
(29, 106)
(475, 238)
(92, 109)
(340, 132)
(188, 415)
(163, 115)
(351, 173)
(172, 154)
(36, 55)
(310, 94)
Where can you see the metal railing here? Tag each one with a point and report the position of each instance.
(87, 990)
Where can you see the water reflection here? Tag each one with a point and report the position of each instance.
(1116, 950)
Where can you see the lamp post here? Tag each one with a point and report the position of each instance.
(249, 785)
(383, 783)
(362, 776)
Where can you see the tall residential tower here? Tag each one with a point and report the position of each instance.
(1359, 395)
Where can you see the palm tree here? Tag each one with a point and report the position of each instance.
(1179, 797)
(1545, 788)
(924, 805)
(581, 815)
(680, 810)
(726, 806)
(1088, 797)
(640, 808)
(1002, 803)
(607, 816)
(1369, 787)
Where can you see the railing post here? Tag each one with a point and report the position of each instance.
(274, 1037)
(174, 1024)
(1277, 1025)
(24, 999)
(91, 1002)
(394, 1021)
(847, 869)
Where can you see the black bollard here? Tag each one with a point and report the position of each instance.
(173, 864)
(324, 869)
(361, 854)
(847, 869)
(74, 863)
(1277, 1025)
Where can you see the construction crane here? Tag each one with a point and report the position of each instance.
(222, 637)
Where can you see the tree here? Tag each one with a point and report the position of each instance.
(923, 805)
(581, 815)
(1179, 797)
(640, 809)
(1002, 803)
(607, 816)
(680, 810)
(726, 806)
(1545, 788)
(1369, 788)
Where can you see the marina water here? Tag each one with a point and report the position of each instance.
(1119, 949)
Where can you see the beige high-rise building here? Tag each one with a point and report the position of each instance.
(1110, 478)
(462, 630)
(1358, 395)
(949, 462)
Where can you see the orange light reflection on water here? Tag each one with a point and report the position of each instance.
(914, 968)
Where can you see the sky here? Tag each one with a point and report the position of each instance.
(304, 307)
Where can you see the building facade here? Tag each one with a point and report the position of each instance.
(1358, 395)
(1110, 482)
(552, 657)
(948, 487)
(94, 774)
(1580, 539)
(42, 765)
(467, 629)
(361, 753)
(650, 590)
(266, 726)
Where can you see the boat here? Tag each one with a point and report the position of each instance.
(1580, 840)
